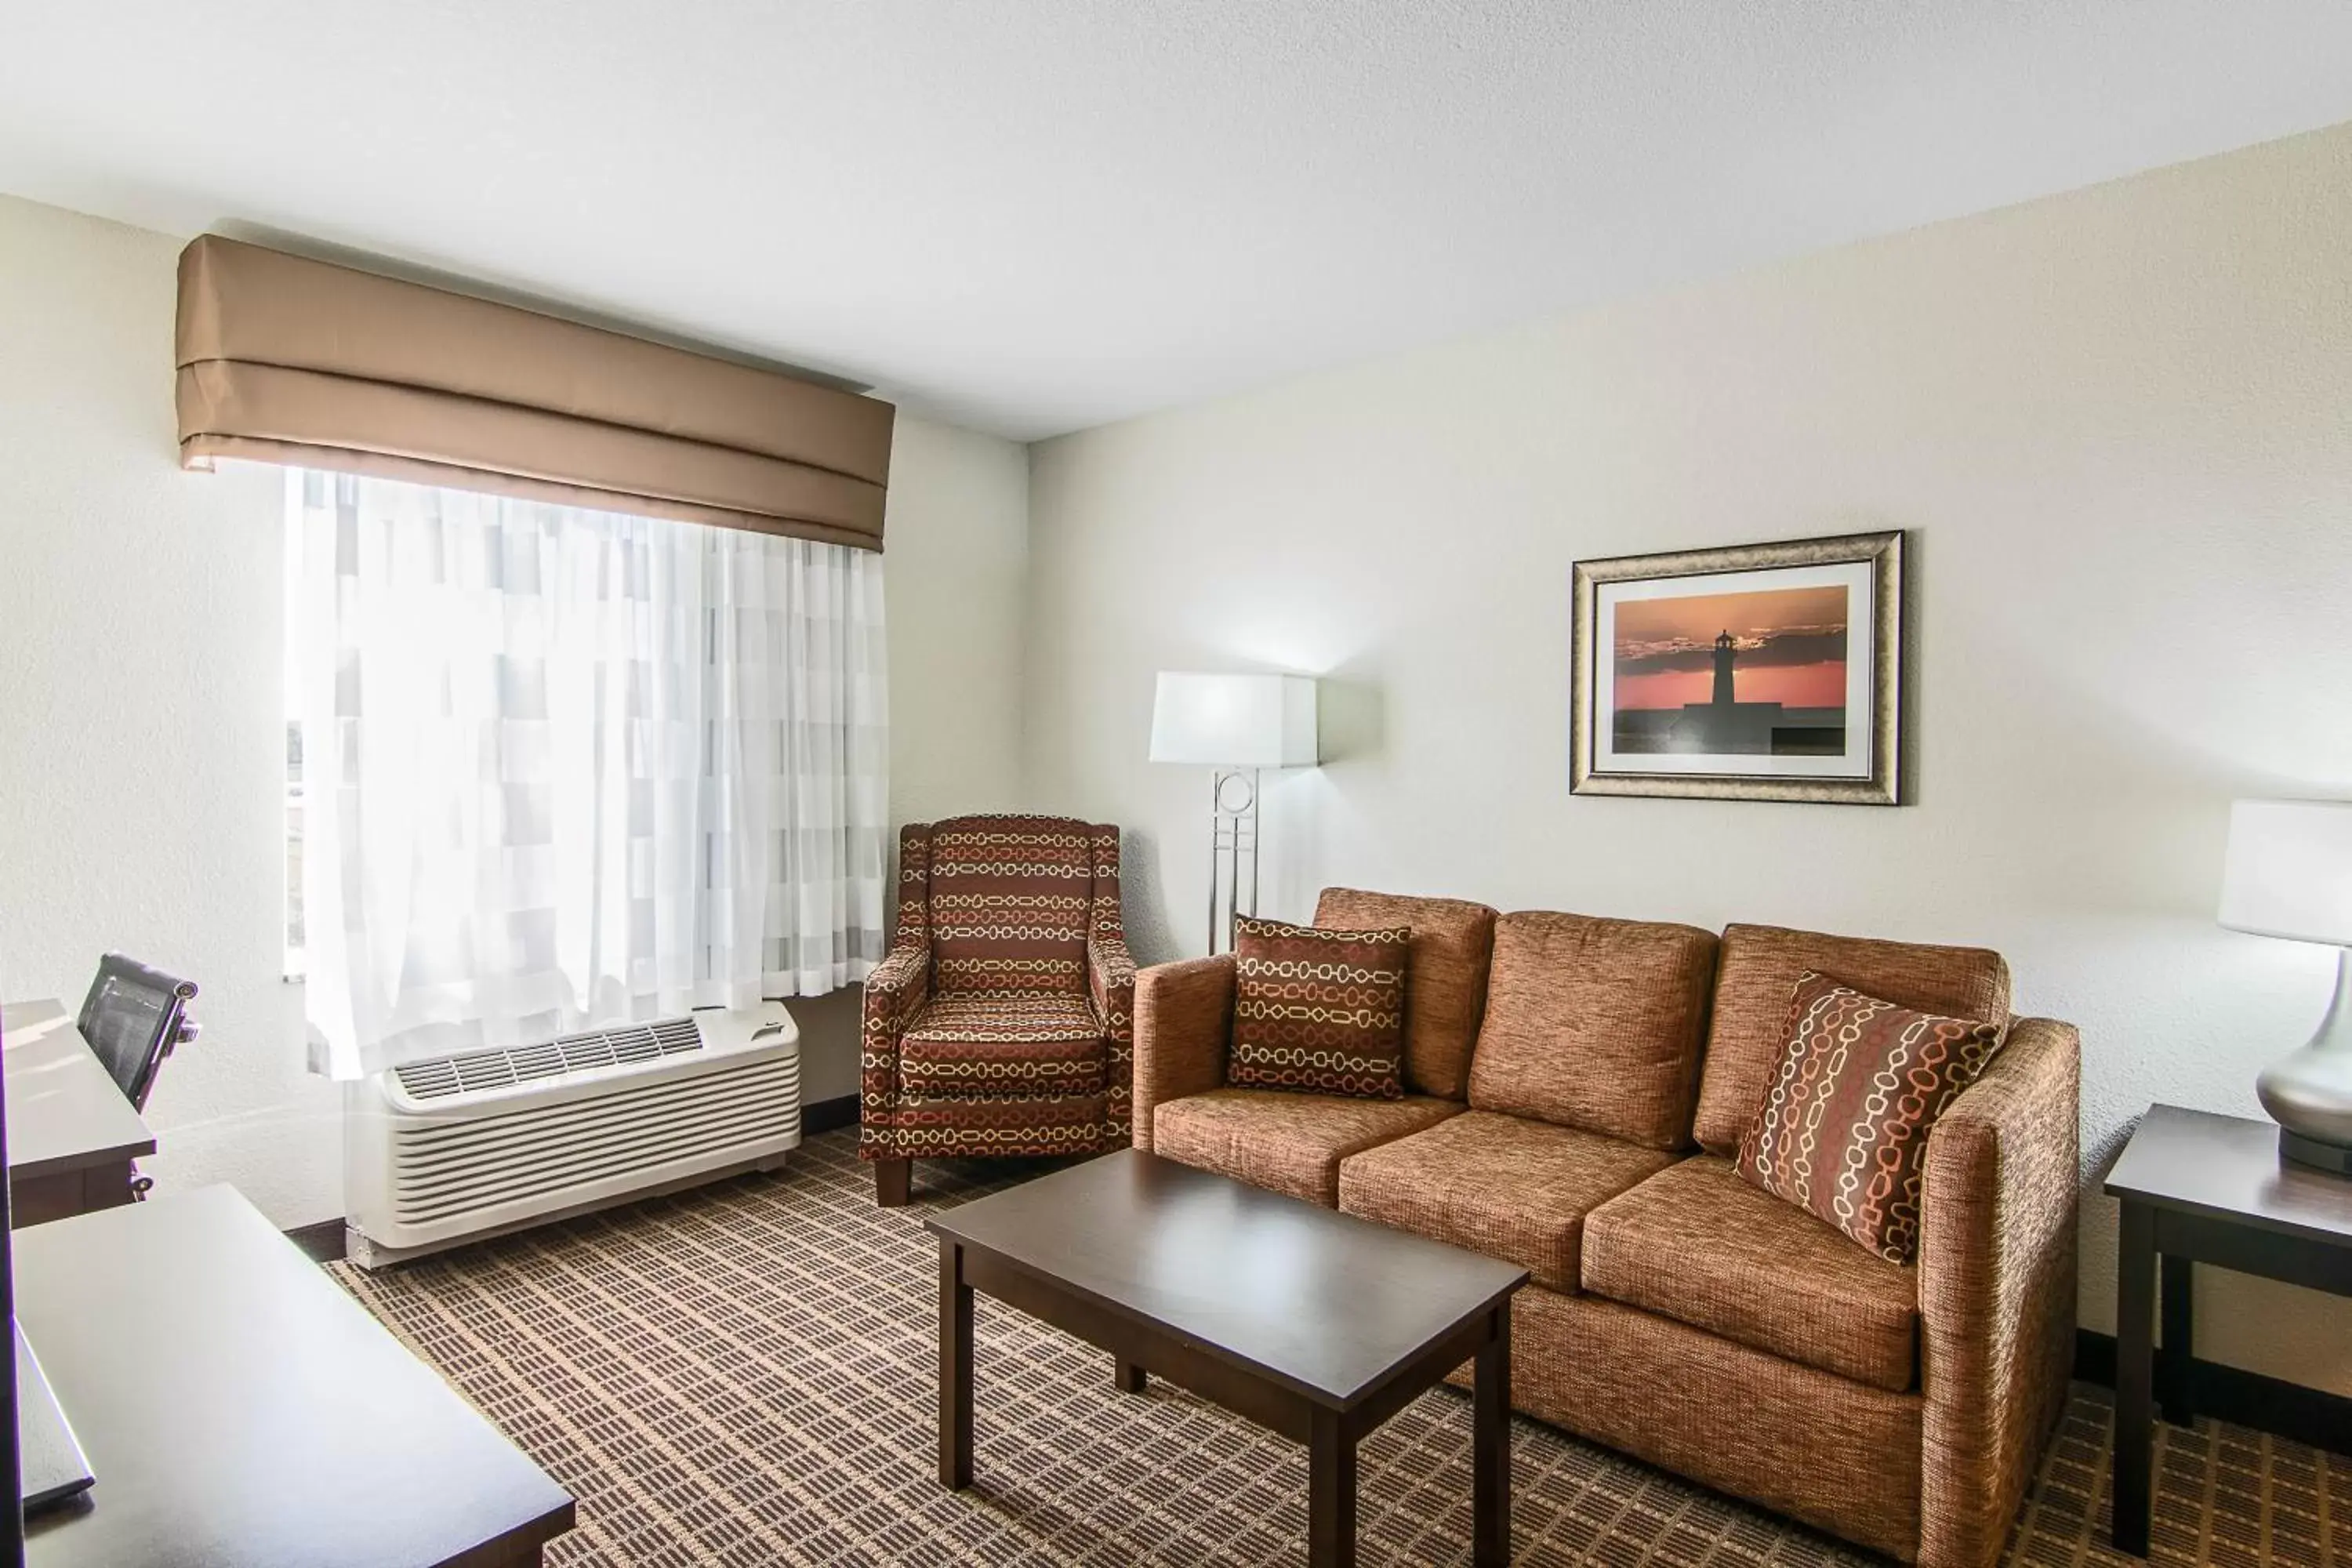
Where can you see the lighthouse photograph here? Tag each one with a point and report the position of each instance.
(1756, 672)
(1761, 672)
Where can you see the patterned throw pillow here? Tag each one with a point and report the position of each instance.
(1319, 1011)
(1844, 1132)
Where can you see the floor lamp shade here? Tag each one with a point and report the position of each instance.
(1236, 725)
(1234, 721)
(2288, 873)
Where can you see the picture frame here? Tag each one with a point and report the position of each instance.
(1797, 695)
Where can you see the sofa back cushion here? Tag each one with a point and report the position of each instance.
(1011, 898)
(1594, 1024)
(1758, 975)
(1445, 976)
(1320, 1012)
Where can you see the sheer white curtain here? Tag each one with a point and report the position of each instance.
(565, 767)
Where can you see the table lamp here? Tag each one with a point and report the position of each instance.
(1238, 725)
(2288, 873)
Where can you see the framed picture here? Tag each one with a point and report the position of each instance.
(1761, 672)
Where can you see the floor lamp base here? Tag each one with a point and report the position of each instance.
(1233, 843)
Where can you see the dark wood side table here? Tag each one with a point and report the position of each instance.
(2201, 1188)
(1167, 1267)
(72, 1136)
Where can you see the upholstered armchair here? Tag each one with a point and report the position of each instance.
(1001, 1021)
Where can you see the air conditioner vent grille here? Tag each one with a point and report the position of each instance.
(629, 1130)
(438, 1077)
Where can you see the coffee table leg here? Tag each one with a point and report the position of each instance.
(1490, 1520)
(955, 1370)
(1331, 1494)
(1129, 1377)
(2127, 1490)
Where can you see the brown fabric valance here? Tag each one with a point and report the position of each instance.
(287, 360)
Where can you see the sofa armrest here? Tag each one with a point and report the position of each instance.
(895, 993)
(1183, 1017)
(1997, 1289)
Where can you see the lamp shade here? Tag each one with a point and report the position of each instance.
(1234, 721)
(2288, 871)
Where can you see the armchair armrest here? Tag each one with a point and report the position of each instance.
(1110, 986)
(1183, 1017)
(895, 993)
(1997, 1289)
(900, 984)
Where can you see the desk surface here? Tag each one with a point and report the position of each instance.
(238, 1407)
(2227, 1167)
(64, 1111)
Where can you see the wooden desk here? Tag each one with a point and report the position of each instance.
(238, 1407)
(2201, 1189)
(71, 1135)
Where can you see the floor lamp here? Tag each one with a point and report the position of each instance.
(1238, 725)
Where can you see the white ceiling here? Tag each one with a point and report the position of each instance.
(1032, 216)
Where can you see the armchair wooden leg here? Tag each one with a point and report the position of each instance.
(892, 1181)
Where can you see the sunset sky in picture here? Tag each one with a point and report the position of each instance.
(1792, 647)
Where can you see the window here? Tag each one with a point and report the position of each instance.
(291, 968)
(293, 849)
(548, 767)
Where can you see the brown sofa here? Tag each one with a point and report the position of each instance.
(1560, 1070)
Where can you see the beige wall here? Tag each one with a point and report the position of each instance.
(143, 729)
(141, 723)
(2119, 423)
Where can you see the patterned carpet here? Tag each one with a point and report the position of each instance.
(743, 1375)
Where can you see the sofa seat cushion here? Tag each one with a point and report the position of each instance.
(1283, 1141)
(1697, 1244)
(1445, 976)
(1595, 1023)
(1509, 1187)
(997, 1043)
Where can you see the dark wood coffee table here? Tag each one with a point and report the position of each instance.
(1316, 1324)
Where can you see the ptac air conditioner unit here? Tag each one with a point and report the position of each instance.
(457, 1148)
